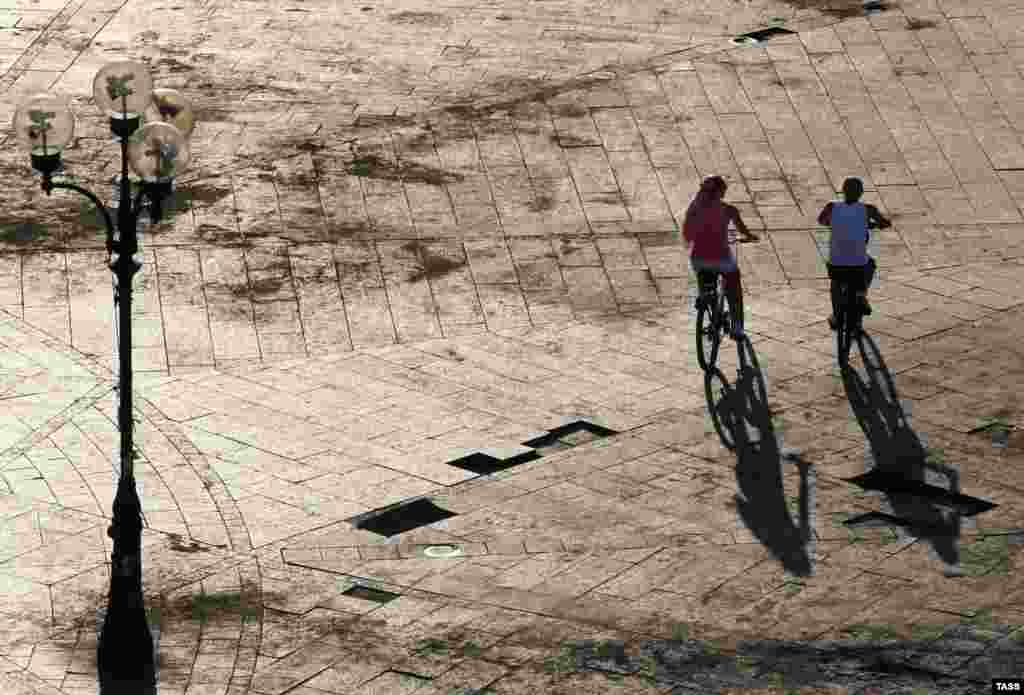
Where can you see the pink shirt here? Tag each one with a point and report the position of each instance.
(706, 227)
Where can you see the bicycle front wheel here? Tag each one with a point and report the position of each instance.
(708, 334)
(720, 406)
(845, 327)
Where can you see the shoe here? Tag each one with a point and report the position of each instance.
(737, 331)
(866, 307)
(832, 322)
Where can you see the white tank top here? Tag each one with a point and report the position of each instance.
(849, 234)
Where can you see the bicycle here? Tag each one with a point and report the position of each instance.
(849, 315)
(848, 310)
(713, 318)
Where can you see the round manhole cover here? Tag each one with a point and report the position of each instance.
(442, 551)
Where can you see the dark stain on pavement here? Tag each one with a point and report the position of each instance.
(430, 19)
(541, 202)
(347, 229)
(570, 110)
(430, 265)
(22, 233)
(569, 140)
(543, 91)
(212, 114)
(373, 167)
(843, 9)
(204, 194)
(177, 544)
(171, 65)
(915, 24)
(213, 233)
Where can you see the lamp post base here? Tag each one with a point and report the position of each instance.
(125, 656)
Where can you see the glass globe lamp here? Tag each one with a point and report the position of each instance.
(170, 106)
(122, 90)
(159, 152)
(44, 124)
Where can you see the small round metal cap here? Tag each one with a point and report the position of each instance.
(436, 551)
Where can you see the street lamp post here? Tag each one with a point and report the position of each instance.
(156, 151)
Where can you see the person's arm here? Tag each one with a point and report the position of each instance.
(741, 227)
(875, 217)
(825, 216)
(689, 233)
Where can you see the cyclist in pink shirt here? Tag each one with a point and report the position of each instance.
(706, 229)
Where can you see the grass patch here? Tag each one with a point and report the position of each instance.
(154, 615)
(993, 422)
(430, 645)
(926, 632)
(935, 457)
(852, 534)
(746, 664)
(778, 680)
(793, 586)
(471, 648)
(981, 618)
(648, 667)
(864, 631)
(987, 555)
(856, 490)
(565, 662)
(680, 632)
(889, 535)
(359, 167)
(604, 650)
(206, 606)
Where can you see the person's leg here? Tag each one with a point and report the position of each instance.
(867, 277)
(832, 294)
(734, 294)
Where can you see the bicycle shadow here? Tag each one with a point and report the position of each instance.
(896, 449)
(743, 421)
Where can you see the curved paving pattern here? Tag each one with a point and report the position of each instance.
(447, 242)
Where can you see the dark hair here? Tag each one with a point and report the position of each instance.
(853, 188)
(713, 183)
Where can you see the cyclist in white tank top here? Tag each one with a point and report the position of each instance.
(849, 243)
(850, 221)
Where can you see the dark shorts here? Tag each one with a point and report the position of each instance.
(706, 278)
(859, 276)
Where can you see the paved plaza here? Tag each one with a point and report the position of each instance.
(418, 405)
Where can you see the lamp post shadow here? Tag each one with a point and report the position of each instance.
(741, 416)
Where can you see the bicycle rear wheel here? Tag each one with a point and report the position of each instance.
(845, 320)
(707, 347)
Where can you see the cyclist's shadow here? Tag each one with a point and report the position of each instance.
(896, 449)
(744, 424)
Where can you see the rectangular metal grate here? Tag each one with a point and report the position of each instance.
(368, 593)
(405, 516)
(767, 33)
(484, 464)
(569, 435)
